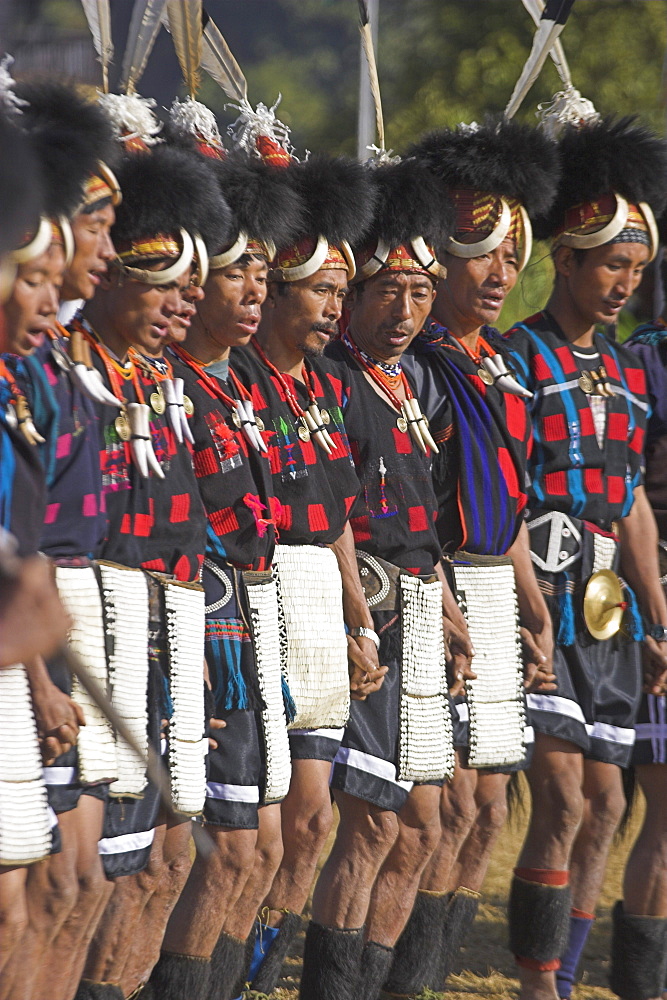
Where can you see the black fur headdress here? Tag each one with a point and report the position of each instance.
(68, 135)
(338, 195)
(20, 187)
(263, 202)
(168, 189)
(502, 157)
(410, 202)
(616, 155)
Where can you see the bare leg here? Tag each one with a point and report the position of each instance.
(364, 838)
(51, 892)
(113, 940)
(60, 970)
(396, 885)
(267, 856)
(645, 883)
(474, 856)
(306, 818)
(457, 815)
(603, 807)
(13, 913)
(211, 891)
(169, 877)
(555, 778)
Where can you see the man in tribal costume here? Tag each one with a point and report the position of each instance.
(639, 940)
(479, 420)
(298, 397)
(588, 516)
(152, 555)
(397, 748)
(28, 823)
(205, 953)
(67, 894)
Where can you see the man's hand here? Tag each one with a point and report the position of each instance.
(366, 674)
(458, 654)
(214, 724)
(654, 657)
(538, 651)
(58, 722)
(33, 622)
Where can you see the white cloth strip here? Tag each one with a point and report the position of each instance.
(125, 598)
(604, 552)
(80, 593)
(554, 703)
(329, 734)
(366, 762)
(25, 827)
(184, 608)
(263, 604)
(496, 706)
(529, 735)
(619, 390)
(426, 748)
(60, 775)
(232, 793)
(126, 842)
(613, 734)
(462, 711)
(310, 592)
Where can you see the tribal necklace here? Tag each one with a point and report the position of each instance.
(493, 368)
(133, 422)
(410, 416)
(18, 413)
(241, 408)
(311, 421)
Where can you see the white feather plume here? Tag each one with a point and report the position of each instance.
(219, 62)
(535, 9)
(185, 25)
(143, 31)
(98, 16)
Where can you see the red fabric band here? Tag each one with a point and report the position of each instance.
(543, 876)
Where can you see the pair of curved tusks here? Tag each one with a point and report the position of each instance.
(90, 382)
(313, 421)
(618, 221)
(25, 422)
(418, 426)
(491, 242)
(246, 416)
(503, 378)
(178, 421)
(141, 444)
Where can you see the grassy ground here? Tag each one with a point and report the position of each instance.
(489, 969)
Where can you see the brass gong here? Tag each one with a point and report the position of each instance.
(603, 604)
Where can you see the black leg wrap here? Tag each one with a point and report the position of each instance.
(226, 967)
(461, 915)
(638, 955)
(417, 951)
(243, 981)
(376, 962)
(539, 919)
(331, 963)
(89, 990)
(178, 976)
(268, 974)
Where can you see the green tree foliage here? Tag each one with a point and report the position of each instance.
(440, 61)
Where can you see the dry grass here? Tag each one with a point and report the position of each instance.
(489, 968)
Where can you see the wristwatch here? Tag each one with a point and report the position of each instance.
(368, 633)
(657, 632)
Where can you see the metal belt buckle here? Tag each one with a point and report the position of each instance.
(555, 542)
